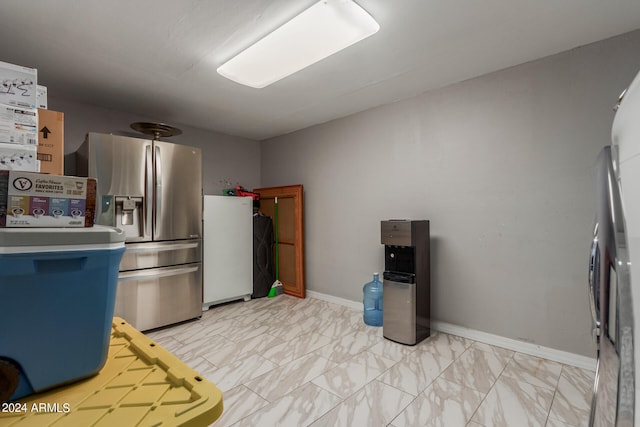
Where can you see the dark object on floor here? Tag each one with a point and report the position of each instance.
(9, 375)
(262, 255)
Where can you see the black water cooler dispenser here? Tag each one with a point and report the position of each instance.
(406, 281)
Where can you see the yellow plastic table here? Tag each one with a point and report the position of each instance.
(141, 384)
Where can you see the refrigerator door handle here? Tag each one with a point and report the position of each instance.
(164, 272)
(593, 280)
(148, 192)
(158, 193)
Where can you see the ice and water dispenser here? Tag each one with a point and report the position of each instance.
(406, 281)
(128, 213)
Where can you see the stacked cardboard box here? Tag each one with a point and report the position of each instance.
(31, 141)
(18, 118)
(30, 199)
(31, 136)
(51, 141)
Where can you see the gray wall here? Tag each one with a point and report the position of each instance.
(502, 165)
(224, 157)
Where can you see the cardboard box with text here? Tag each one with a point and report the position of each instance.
(51, 141)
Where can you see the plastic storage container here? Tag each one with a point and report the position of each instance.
(58, 288)
(141, 384)
(373, 302)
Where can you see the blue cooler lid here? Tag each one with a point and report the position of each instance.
(37, 237)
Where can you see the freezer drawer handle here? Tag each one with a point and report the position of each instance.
(162, 247)
(137, 275)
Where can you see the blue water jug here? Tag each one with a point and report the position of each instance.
(373, 302)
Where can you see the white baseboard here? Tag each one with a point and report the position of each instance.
(548, 353)
(330, 298)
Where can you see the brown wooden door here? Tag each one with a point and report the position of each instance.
(290, 235)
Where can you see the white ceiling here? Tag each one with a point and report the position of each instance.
(158, 58)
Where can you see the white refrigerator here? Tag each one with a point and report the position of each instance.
(228, 249)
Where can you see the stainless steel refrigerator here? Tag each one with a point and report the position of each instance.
(152, 190)
(613, 268)
(611, 304)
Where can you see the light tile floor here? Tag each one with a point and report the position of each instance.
(298, 362)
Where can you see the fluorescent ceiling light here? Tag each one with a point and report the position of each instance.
(325, 28)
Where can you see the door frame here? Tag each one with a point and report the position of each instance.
(296, 192)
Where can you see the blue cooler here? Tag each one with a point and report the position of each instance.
(57, 293)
